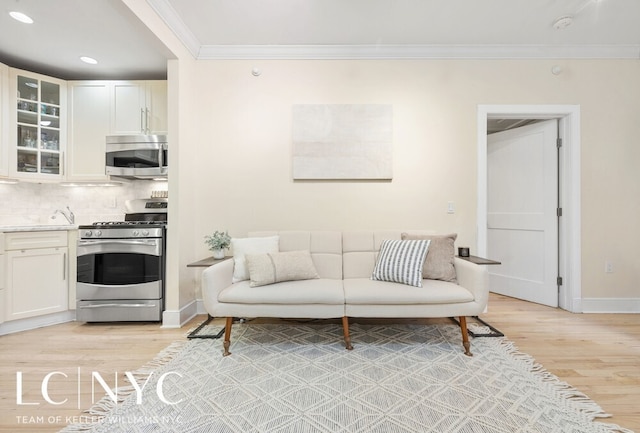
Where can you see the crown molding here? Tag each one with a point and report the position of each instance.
(169, 15)
(400, 52)
(383, 52)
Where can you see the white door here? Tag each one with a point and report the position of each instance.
(522, 220)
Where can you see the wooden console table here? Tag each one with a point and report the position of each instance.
(205, 263)
(480, 260)
(493, 331)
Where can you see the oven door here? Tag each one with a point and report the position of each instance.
(120, 269)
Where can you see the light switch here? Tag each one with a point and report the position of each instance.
(451, 207)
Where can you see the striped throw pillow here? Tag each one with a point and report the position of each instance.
(401, 261)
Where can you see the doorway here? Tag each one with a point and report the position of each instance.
(568, 121)
(522, 203)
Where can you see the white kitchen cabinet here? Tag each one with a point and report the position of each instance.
(3, 279)
(138, 107)
(37, 126)
(37, 273)
(89, 124)
(4, 120)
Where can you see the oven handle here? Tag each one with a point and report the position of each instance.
(149, 242)
(136, 246)
(117, 305)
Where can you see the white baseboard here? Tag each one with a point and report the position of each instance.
(611, 305)
(201, 309)
(37, 322)
(177, 318)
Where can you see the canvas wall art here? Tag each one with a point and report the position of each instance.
(350, 141)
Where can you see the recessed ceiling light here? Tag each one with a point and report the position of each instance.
(89, 60)
(21, 17)
(562, 22)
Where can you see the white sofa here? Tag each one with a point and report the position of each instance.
(344, 262)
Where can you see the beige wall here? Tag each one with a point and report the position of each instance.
(242, 156)
(231, 152)
(184, 132)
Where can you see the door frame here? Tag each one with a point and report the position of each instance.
(569, 242)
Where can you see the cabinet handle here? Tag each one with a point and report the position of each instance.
(64, 267)
(142, 120)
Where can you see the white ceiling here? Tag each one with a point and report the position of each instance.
(109, 31)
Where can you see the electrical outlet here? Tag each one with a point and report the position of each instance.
(608, 267)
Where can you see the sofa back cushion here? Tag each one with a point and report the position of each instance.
(325, 248)
(361, 248)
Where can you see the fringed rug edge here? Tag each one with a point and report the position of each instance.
(106, 405)
(565, 391)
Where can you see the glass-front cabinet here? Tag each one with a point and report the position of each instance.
(4, 120)
(37, 148)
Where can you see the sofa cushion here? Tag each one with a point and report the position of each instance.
(363, 291)
(283, 266)
(325, 248)
(253, 245)
(439, 264)
(318, 291)
(401, 261)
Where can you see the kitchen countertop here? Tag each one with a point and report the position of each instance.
(37, 228)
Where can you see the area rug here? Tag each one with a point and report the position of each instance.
(298, 378)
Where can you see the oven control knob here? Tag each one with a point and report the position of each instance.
(88, 233)
(135, 233)
(98, 233)
(145, 232)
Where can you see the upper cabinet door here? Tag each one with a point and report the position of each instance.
(88, 127)
(156, 97)
(37, 126)
(4, 120)
(128, 107)
(138, 107)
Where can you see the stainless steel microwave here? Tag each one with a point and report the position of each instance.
(137, 156)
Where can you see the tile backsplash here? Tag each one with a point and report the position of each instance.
(36, 203)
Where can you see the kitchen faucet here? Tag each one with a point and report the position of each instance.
(70, 217)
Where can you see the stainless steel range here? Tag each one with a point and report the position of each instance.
(121, 267)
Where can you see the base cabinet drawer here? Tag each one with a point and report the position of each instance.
(28, 240)
(133, 310)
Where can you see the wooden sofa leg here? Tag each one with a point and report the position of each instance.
(227, 336)
(465, 336)
(345, 330)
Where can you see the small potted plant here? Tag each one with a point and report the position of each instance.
(218, 242)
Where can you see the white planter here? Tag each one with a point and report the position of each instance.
(218, 254)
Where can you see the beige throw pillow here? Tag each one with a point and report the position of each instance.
(244, 246)
(283, 266)
(439, 264)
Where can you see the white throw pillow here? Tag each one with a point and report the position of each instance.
(243, 246)
(401, 261)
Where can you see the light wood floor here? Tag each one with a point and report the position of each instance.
(599, 354)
